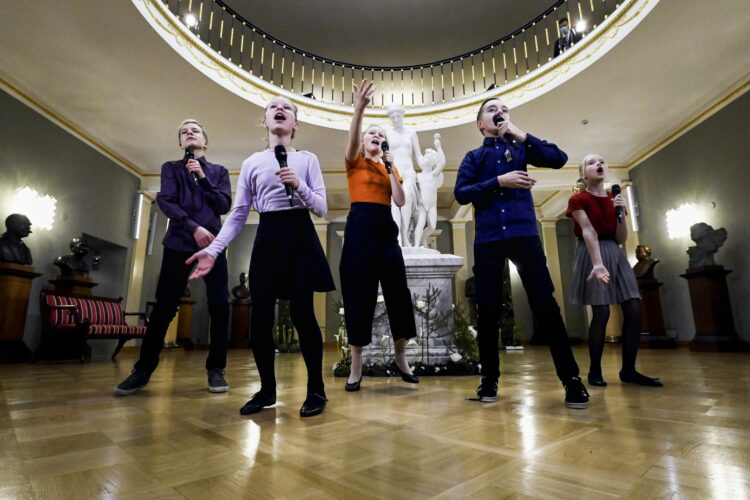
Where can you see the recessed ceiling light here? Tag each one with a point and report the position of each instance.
(581, 26)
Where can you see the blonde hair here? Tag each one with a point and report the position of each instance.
(582, 168)
(362, 137)
(191, 120)
(294, 108)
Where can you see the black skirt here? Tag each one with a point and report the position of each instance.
(287, 257)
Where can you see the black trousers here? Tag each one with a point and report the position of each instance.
(262, 317)
(527, 254)
(173, 279)
(371, 255)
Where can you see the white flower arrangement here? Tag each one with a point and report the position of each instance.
(456, 357)
(341, 311)
(421, 304)
(473, 331)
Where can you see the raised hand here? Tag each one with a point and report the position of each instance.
(363, 93)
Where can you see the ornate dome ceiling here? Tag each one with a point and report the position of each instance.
(389, 32)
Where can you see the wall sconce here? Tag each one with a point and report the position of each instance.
(135, 216)
(39, 208)
(681, 218)
(632, 208)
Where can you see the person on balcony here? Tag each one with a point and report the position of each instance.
(568, 37)
(602, 273)
(371, 252)
(194, 193)
(493, 178)
(287, 261)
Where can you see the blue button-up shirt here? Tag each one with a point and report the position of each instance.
(503, 213)
(189, 204)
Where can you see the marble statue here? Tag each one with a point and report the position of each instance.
(241, 291)
(12, 247)
(404, 145)
(429, 181)
(73, 264)
(644, 268)
(707, 242)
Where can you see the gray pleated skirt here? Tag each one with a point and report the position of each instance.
(622, 284)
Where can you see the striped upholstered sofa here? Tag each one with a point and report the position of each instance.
(69, 320)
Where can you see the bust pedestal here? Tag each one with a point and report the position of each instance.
(653, 333)
(712, 311)
(425, 268)
(240, 337)
(15, 288)
(77, 283)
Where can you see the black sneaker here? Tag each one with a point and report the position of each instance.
(259, 401)
(136, 381)
(487, 391)
(216, 381)
(576, 395)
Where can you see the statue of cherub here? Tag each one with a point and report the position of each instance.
(429, 179)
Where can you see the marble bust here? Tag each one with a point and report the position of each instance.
(242, 291)
(644, 268)
(12, 247)
(73, 264)
(707, 242)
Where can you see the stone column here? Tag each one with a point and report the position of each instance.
(549, 241)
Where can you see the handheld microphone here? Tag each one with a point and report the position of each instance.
(618, 210)
(280, 152)
(497, 120)
(385, 147)
(189, 155)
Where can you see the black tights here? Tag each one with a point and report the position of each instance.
(262, 318)
(631, 335)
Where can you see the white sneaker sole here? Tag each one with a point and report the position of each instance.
(224, 388)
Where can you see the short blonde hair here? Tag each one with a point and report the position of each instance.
(191, 120)
(361, 138)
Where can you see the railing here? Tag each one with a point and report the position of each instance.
(505, 60)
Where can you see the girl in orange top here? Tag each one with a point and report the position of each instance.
(371, 252)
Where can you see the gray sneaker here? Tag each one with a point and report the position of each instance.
(216, 380)
(136, 381)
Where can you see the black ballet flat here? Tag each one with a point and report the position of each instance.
(406, 377)
(597, 381)
(640, 379)
(354, 386)
(259, 401)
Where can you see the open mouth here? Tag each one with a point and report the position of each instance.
(376, 142)
(279, 116)
(599, 170)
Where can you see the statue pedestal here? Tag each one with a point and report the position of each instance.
(240, 333)
(653, 333)
(712, 311)
(15, 288)
(185, 323)
(78, 284)
(424, 268)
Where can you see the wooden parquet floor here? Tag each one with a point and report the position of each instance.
(63, 435)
